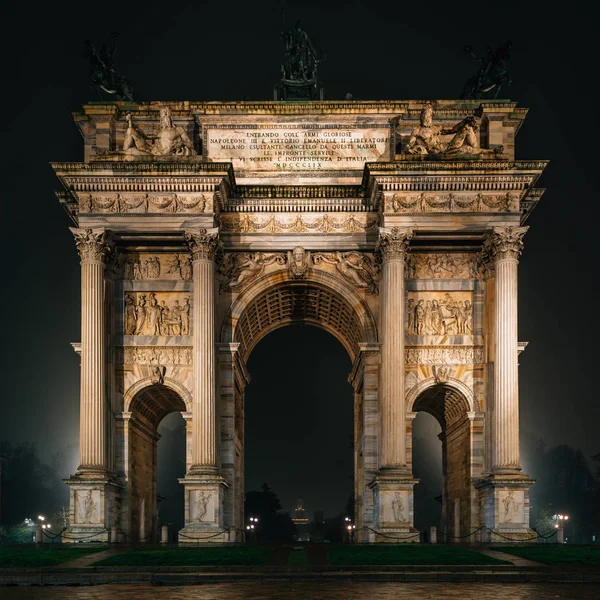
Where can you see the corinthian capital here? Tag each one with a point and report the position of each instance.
(393, 243)
(203, 244)
(506, 242)
(92, 245)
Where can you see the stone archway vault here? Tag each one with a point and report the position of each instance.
(146, 403)
(453, 405)
(321, 301)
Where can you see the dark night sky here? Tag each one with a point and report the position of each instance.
(224, 51)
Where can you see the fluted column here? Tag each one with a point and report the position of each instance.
(393, 245)
(505, 245)
(92, 247)
(203, 246)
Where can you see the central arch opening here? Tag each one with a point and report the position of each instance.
(299, 423)
(299, 340)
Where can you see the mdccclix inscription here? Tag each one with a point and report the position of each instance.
(298, 148)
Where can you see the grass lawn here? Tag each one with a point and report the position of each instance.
(556, 554)
(298, 558)
(407, 554)
(205, 556)
(45, 556)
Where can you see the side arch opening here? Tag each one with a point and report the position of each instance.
(451, 408)
(154, 411)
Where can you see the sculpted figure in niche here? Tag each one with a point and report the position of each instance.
(186, 268)
(202, 500)
(511, 507)
(465, 140)
(87, 508)
(153, 317)
(425, 138)
(185, 316)
(419, 318)
(165, 317)
(411, 315)
(468, 321)
(298, 262)
(171, 139)
(398, 507)
(130, 315)
(140, 313)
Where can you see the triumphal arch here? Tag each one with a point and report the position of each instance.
(394, 225)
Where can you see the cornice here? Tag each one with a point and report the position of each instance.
(171, 167)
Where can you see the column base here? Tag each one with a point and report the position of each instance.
(94, 507)
(504, 505)
(393, 507)
(204, 515)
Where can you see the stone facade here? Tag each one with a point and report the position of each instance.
(204, 226)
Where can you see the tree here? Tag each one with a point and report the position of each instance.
(29, 487)
(272, 525)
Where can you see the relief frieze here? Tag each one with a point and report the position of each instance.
(144, 266)
(155, 355)
(157, 313)
(440, 313)
(432, 202)
(141, 202)
(233, 223)
(446, 355)
(442, 266)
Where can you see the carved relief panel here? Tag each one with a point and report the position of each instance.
(137, 267)
(202, 506)
(440, 313)
(157, 313)
(87, 507)
(395, 507)
(511, 507)
(142, 202)
(442, 266)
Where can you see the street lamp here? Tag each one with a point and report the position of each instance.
(560, 523)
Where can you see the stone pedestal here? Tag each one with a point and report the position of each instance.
(394, 509)
(94, 501)
(204, 514)
(504, 505)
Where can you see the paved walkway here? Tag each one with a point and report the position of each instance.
(515, 560)
(89, 559)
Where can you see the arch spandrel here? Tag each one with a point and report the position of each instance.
(321, 299)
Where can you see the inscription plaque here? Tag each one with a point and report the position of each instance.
(297, 147)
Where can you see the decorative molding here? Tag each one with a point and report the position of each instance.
(140, 203)
(431, 202)
(299, 224)
(393, 244)
(446, 355)
(505, 243)
(92, 245)
(154, 355)
(203, 245)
